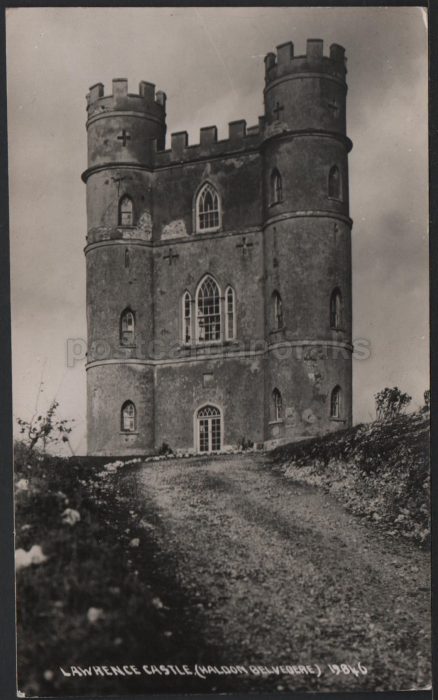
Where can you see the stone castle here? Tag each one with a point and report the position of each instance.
(219, 274)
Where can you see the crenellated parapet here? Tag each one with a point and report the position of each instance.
(146, 100)
(284, 62)
(307, 93)
(122, 126)
(240, 139)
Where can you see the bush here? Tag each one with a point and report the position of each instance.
(380, 471)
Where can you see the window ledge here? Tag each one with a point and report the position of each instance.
(129, 432)
(338, 330)
(207, 230)
(276, 422)
(335, 199)
(338, 420)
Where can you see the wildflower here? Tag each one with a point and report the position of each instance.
(70, 516)
(94, 615)
(24, 559)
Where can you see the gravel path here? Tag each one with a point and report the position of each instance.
(284, 575)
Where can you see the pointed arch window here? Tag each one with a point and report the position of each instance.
(277, 403)
(208, 311)
(126, 211)
(187, 317)
(209, 420)
(336, 402)
(208, 209)
(336, 309)
(278, 311)
(230, 310)
(127, 328)
(276, 187)
(334, 183)
(128, 417)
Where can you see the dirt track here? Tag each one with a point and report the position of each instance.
(284, 575)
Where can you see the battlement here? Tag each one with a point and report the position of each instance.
(146, 100)
(240, 139)
(284, 62)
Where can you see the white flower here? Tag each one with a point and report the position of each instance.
(70, 516)
(135, 542)
(48, 675)
(94, 614)
(24, 559)
(22, 485)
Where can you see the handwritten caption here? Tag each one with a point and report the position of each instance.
(201, 671)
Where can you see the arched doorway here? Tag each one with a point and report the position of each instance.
(209, 429)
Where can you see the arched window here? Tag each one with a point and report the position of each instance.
(208, 311)
(126, 211)
(276, 187)
(335, 402)
(209, 422)
(187, 317)
(208, 213)
(278, 311)
(277, 403)
(336, 309)
(230, 327)
(128, 417)
(334, 183)
(127, 327)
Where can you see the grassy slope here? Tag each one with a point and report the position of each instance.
(379, 471)
(91, 564)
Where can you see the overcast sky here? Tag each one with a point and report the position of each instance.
(209, 61)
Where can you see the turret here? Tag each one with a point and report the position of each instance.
(122, 126)
(124, 130)
(307, 235)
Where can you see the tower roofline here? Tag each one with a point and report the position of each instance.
(284, 61)
(146, 100)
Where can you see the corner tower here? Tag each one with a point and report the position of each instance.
(122, 128)
(307, 243)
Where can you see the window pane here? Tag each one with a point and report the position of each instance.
(209, 311)
(208, 208)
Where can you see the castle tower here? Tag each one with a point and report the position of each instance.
(121, 129)
(307, 245)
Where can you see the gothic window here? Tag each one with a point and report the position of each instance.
(128, 417)
(208, 212)
(208, 316)
(336, 309)
(277, 403)
(127, 328)
(126, 211)
(278, 311)
(230, 329)
(276, 187)
(335, 402)
(187, 317)
(209, 429)
(334, 183)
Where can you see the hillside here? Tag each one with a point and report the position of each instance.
(378, 470)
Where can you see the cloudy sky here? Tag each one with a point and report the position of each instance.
(209, 61)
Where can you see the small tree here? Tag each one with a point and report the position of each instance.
(390, 403)
(46, 428)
